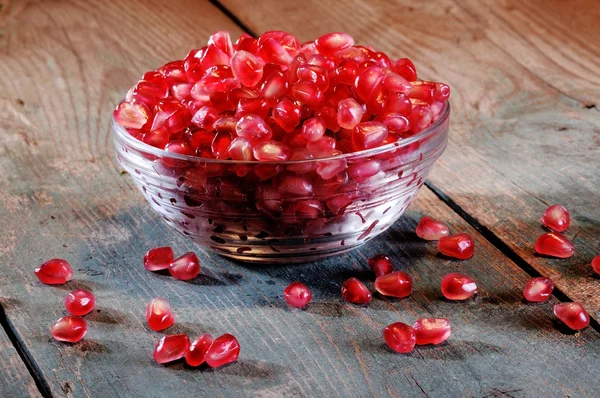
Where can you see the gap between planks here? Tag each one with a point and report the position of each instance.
(494, 239)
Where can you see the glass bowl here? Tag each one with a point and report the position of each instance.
(283, 212)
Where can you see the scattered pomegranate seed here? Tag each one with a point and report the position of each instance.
(554, 245)
(457, 286)
(432, 330)
(400, 337)
(297, 295)
(70, 329)
(158, 258)
(431, 229)
(538, 290)
(54, 272)
(171, 348)
(185, 267)
(159, 314)
(198, 349)
(395, 284)
(573, 315)
(460, 246)
(80, 302)
(381, 265)
(557, 218)
(596, 264)
(355, 292)
(225, 349)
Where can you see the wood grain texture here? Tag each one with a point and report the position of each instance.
(64, 64)
(525, 130)
(15, 380)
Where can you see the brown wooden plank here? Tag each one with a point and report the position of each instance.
(64, 66)
(525, 130)
(15, 380)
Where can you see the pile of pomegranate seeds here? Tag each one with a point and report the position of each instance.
(297, 295)
(80, 302)
(457, 286)
(273, 98)
(554, 244)
(538, 290)
(54, 272)
(573, 315)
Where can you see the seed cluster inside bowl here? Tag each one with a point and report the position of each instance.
(273, 98)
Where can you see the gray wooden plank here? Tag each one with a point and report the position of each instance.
(15, 380)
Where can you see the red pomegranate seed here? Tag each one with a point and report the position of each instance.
(69, 328)
(554, 245)
(313, 129)
(422, 90)
(54, 272)
(158, 258)
(198, 349)
(297, 295)
(240, 149)
(271, 151)
(286, 114)
(400, 337)
(420, 116)
(457, 286)
(362, 171)
(275, 86)
(367, 81)
(330, 168)
(396, 83)
(368, 135)
(205, 117)
(271, 51)
(405, 68)
(178, 147)
(253, 128)
(395, 284)
(381, 265)
(80, 302)
(333, 42)
(395, 122)
(460, 246)
(225, 349)
(322, 148)
(308, 93)
(171, 348)
(185, 267)
(573, 315)
(159, 314)
(596, 264)
(538, 290)
(257, 106)
(133, 116)
(349, 113)
(432, 330)
(397, 103)
(557, 218)
(431, 229)
(247, 68)
(355, 292)
(222, 40)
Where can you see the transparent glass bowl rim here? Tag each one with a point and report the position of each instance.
(133, 142)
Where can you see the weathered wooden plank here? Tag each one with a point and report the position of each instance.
(63, 69)
(525, 130)
(15, 380)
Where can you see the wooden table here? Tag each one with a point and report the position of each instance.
(525, 133)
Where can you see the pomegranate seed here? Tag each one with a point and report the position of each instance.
(222, 41)
(257, 106)
(313, 129)
(400, 337)
(355, 292)
(54, 272)
(322, 61)
(171, 348)
(180, 148)
(442, 92)
(460, 246)
(150, 92)
(253, 128)
(395, 284)
(405, 68)
(158, 258)
(297, 295)
(596, 264)
(220, 145)
(395, 122)
(333, 42)
(457, 286)
(286, 114)
(271, 151)
(159, 314)
(557, 218)
(240, 149)
(225, 349)
(573, 315)
(361, 171)
(368, 135)
(349, 113)
(367, 82)
(308, 93)
(80, 302)
(432, 330)
(538, 290)
(431, 229)
(198, 349)
(396, 83)
(69, 328)
(322, 148)
(273, 52)
(296, 186)
(397, 103)
(247, 68)
(381, 265)
(330, 168)
(133, 116)
(420, 116)
(554, 245)
(275, 86)
(185, 267)
(205, 117)
(422, 90)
